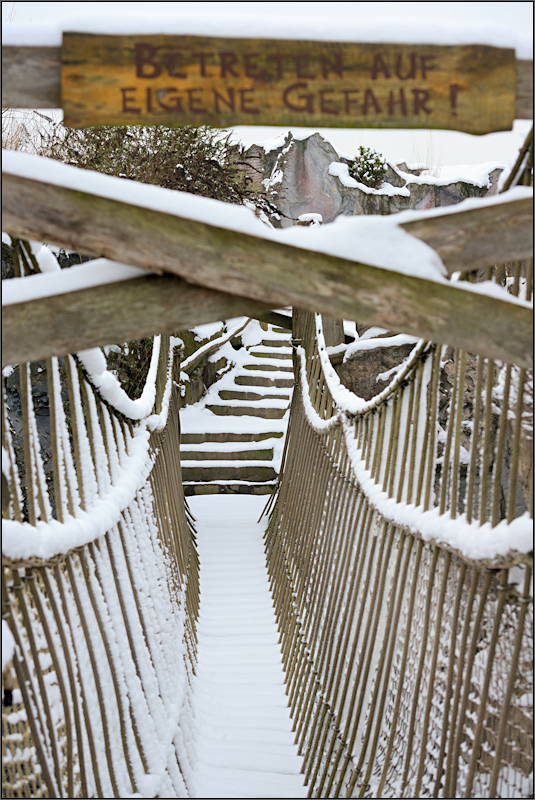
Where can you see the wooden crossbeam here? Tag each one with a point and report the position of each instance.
(270, 273)
(115, 313)
(480, 237)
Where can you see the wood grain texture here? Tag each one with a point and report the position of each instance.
(31, 78)
(271, 273)
(194, 80)
(524, 90)
(112, 314)
(480, 237)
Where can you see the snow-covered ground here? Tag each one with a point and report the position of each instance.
(244, 745)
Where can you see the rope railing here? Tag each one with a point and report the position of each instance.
(399, 549)
(100, 584)
(399, 559)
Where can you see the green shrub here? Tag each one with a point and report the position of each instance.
(198, 160)
(369, 167)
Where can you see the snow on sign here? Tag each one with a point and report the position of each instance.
(198, 80)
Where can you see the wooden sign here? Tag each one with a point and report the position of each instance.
(197, 80)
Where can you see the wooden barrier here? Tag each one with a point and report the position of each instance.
(267, 272)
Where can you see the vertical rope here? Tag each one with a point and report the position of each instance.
(73, 611)
(380, 707)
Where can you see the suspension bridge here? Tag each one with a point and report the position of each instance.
(363, 630)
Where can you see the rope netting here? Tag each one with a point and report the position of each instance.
(100, 582)
(401, 580)
(399, 549)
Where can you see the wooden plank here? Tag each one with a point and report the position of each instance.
(524, 90)
(480, 237)
(271, 273)
(31, 78)
(200, 80)
(112, 314)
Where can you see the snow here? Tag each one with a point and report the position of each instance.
(8, 645)
(243, 740)
(5, 460)
(473, 540)
(315, 219)
(474, 174)
(110, 388)
(374, 240)
(345, 400)
(99, 272)
(198, 418)
(198, 354)
(492, 289)
(469, 204)
(93, 361)
(275, 26)
(20, 540)
(105, 501)
(341, 171)
(372, 343)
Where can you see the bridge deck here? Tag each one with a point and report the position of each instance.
(245, 745)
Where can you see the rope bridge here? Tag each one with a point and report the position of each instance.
(397, 554)
(100, 585)
(397, 547)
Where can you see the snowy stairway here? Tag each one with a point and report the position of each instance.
(244, 745)
(232, 439)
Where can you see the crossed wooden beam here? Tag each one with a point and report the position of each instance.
(196, 260)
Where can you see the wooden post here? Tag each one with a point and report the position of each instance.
(333, 331)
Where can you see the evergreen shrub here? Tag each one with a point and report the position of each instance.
(369, 167)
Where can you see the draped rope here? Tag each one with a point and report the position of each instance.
(105, 631)
(398, 552)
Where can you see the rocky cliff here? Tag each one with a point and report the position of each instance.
(304, 176)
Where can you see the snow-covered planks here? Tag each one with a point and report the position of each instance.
(232, 439)
(244, 741)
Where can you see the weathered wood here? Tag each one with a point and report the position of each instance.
(333, 331)
(479, 237)
(199, 80)
(524, 90)
(272, 318)
(112, 314)
(522, 163)
(31, 77)
(272, 273)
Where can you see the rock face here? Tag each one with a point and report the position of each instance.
(299, 179)
(307, 176)
(360, 372)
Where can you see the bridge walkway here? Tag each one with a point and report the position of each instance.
(245, 744)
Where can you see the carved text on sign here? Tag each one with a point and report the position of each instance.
(184, 80)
